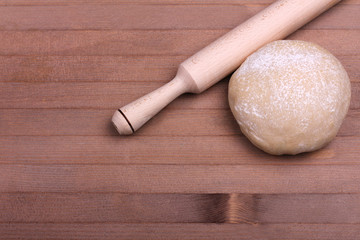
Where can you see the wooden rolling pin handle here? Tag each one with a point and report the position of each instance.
(131, 117)
(220, 58)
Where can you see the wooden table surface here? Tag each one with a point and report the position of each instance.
(67, 65)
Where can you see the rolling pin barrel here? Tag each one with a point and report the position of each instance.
(221, 57)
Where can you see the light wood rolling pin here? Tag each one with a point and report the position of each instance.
(221, 57)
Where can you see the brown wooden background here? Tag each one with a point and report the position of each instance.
(66, 66)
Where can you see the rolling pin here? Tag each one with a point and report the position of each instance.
(220, 58)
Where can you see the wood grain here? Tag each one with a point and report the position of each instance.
(107, 231)
(193, 150)
(158, 42)
(179, 208)
(167, 2)
(109, 68)
(111, 231)
(208, 179)
(111, 95)
(98, 68)
(171, 122)
(134, 16)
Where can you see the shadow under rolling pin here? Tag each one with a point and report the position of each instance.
(220, 58)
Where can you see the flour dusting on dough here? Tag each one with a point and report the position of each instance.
(288, 90)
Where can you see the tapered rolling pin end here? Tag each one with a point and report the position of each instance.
(121, 123)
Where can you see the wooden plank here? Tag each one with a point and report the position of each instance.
(256, 179)
(172, 122)
(112, 231)
(112, 95)
(150, 16)
(167, 2)
(97, 95)
(179, 208)
(101, 68)
(352, 66)
(192, 150)
(158, 42)
(107, 207)
(109, 68)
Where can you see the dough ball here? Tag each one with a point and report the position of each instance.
(290, 97)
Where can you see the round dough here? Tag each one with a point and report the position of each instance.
(290, 97)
